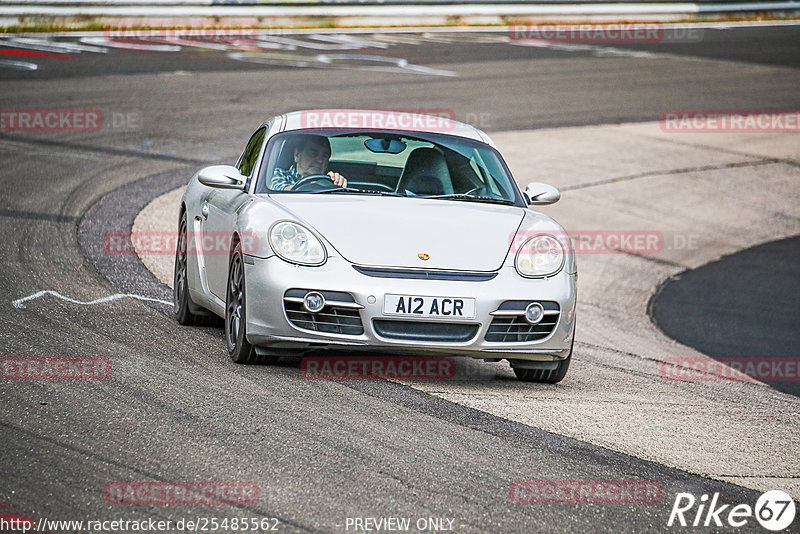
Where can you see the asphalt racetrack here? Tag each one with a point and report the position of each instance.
(321, 453)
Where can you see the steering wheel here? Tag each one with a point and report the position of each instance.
(312, 178)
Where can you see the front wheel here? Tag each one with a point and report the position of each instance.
(239, 349)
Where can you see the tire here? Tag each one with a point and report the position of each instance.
(184, 310)
(546, 376)
(239, 349)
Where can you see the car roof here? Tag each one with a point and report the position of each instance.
(382, 119)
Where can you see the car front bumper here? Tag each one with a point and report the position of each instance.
(268, 280)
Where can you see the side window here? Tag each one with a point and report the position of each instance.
(250, 154)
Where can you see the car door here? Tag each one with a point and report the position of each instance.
(222, 205)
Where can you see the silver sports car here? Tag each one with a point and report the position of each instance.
(378, 230)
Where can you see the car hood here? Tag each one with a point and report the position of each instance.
(393, 232)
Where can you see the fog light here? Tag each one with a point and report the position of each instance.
(534, 313)
(314, 301)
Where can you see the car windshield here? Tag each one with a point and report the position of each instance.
(389, 163)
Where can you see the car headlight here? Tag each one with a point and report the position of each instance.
(295, 243)
(540, 256)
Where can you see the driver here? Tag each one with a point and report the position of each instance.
(310, 157)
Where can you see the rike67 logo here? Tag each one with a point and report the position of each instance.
(774, 510)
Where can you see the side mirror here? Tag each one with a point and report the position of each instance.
(540, 194)
(222, 176)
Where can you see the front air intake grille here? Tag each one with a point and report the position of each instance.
(424, 274)
(509, 324)
(339, 316)
(418, 331)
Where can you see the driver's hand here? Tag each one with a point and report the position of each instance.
(338, 179)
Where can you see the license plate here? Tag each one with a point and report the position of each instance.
(419, 306)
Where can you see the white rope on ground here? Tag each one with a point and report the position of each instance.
(20, 303)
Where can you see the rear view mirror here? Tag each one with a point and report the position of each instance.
(541, 194)
(385, 145)
(222, 176)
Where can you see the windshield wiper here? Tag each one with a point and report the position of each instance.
(352, 190)
(462, 196)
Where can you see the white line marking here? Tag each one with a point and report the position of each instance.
(395, 64)
(395, 39)
(346, 39)
(321, 45)
(47, 45)
(181, 41)
(14, 43)
(103, 41)
(273, 46)
(600, 51)
(19, 65)
(340, 61)
(265, 59)
(20, 303)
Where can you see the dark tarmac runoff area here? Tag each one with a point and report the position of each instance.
(743, 306)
